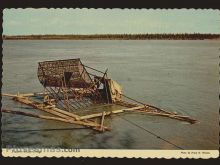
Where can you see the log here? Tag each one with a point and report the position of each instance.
(160, 112)
(51, 110)
(82, 120)
(32, 115)
(87, 124)
(148, 105)
(110, 112)
(177, 117)
(56, 113)
(76, 117)
(9, 95)
(24, 95)
(41, 107)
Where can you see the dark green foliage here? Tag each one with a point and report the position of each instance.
(194, 36)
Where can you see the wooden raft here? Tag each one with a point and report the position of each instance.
(72, 88)
(87, 120)
(58, 114)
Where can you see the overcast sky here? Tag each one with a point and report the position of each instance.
(109, 21)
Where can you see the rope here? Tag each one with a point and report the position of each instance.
(152, 133)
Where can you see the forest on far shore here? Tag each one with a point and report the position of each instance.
(194, 36)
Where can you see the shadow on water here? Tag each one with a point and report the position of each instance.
(127, 141)
(39, 130)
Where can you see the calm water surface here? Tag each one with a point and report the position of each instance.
(179, 76)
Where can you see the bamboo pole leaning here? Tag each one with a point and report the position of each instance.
(152, 110)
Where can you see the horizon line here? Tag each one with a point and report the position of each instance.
(114, 34)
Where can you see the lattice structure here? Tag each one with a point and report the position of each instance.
(71, 86)
(69, 73)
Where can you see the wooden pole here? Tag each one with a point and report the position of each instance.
(147, 105)
(87, 123)
(106, 86)
(177, 117)
(32, 115)
(93, 69)
(75, 119)
(110, 112)
(102, 121)
(42, 107)
(24, 95)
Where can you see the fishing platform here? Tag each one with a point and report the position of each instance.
(78, 94)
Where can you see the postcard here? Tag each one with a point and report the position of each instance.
(134, 83)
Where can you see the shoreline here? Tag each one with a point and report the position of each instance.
(112, 39)
(116, 37)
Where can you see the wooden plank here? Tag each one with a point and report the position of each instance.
(110, 112)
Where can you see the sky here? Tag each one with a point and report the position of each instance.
(109, 21)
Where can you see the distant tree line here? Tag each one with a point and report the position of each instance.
(194, 36)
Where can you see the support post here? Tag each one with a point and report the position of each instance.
(102, 121)
(106, 85)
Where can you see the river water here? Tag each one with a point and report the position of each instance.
(180, 76)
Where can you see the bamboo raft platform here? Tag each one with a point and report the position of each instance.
(69, 88)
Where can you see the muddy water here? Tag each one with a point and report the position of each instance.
(179, 76)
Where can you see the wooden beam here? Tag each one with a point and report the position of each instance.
(83, 120)
(147, 105)
(24, 95)
(177, 117)
(51, 110)
(106, 90)
(71, 118)
(87, 123)
(102, 121)
(110, 112)
(33, 115)
(93, 69)
(40, 106)
(76, 117)
(8, 95)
